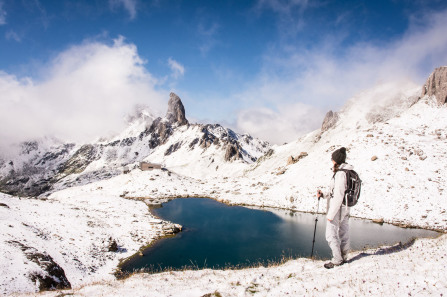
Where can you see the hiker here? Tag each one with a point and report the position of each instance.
(337, 225)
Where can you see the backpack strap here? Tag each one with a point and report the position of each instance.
(346, 191)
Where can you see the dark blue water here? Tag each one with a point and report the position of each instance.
(216, 235)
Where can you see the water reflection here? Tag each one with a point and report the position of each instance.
(217, 235)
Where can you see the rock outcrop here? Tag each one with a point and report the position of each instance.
(80, 160)
(436, 85)
(176, 110)
(292, 160)
(329, 121)
(232, 152)
(158, 133)
(49, 276)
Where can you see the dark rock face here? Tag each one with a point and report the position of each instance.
(128, 141)
(232, 152)
(215, 134)
(158, 132)
(329, 121)
(53, 276)
(176, 110)
(54, 155)
(80, 160)
(34, 176)
(193, 143)
(437, 85)
(207, 138)
(173, 148)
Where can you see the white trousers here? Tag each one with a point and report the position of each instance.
(337, 235)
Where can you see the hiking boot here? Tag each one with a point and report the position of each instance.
(330, 265)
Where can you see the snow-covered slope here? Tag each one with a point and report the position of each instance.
(85, 233)
(401, 160)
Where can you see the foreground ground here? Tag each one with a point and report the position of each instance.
(415, 269)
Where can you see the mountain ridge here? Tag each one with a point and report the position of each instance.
(39, 167)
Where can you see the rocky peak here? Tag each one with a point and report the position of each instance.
(176, 110)
(330, 120)
(437, 85)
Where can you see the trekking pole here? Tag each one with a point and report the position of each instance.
(315, 229)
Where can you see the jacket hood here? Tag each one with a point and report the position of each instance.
(346, 166)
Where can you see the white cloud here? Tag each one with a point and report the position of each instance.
(279, 126)
(129, 5)
(2, 14)
(178, 70)
(87, 91)
(11, 35)
(324, 79)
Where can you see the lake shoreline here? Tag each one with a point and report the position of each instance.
(153, 206)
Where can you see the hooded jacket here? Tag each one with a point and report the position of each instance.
(337, 191)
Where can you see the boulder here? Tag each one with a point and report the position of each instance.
(113, 246)
(379, 221)
(172, 229)
(436, 85)
(281, 171)
(292, 160)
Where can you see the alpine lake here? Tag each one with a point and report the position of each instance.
(219, 236)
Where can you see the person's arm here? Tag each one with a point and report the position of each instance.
(339, 194)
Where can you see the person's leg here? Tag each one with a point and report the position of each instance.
(344, 234)
(333, 239)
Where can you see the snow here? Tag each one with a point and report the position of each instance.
(404, 185)
(420, 272)
(75, 231)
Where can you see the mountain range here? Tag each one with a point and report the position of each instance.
(43, 165)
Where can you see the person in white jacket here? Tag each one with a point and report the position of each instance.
(337, 225)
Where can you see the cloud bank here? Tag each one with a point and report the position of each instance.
(326, 75)
(278, 125)
(86, 92)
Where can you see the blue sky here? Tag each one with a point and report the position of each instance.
(271, 68)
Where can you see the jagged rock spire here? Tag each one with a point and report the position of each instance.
(176, 110)
(330, 120)
(437, 85)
